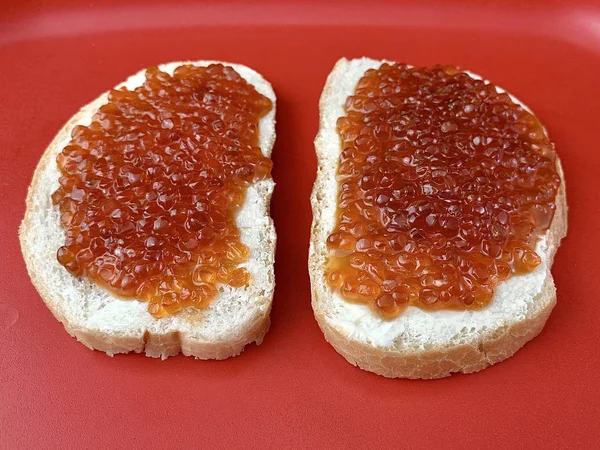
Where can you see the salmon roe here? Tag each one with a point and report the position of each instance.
(445, 187)
(149, 191)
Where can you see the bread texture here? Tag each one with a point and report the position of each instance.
(101, 321)
(418, 343)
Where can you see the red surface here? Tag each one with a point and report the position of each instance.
(294, 390)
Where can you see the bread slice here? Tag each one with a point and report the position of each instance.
(418, 344)
(101, 321)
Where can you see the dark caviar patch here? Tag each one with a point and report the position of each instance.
(149, 191)
(445, 186)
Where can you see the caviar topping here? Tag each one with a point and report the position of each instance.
(445, 186)
(149, 191)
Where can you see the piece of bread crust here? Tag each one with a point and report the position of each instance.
(103, 322)
(410, 353)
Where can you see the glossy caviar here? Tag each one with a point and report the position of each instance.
(446, 186)
(150, 189)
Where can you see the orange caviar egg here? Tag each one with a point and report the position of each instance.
(149, 191)
(445, 186)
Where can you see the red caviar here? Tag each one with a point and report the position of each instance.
(445, 186)
(149, 191)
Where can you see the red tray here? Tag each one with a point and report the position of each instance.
(295, 390)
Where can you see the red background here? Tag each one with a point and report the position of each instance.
(294, 390)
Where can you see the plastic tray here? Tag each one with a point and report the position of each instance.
(294, 390)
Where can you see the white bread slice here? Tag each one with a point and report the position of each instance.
(101, 321)
(418, 344)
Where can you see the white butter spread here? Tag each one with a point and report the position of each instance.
(420, 328)
(436, 327)
(104, 310)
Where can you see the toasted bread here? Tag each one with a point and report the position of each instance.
(102, 321)
(418, 343)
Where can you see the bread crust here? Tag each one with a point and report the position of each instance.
(158, 345)
(492, 346)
